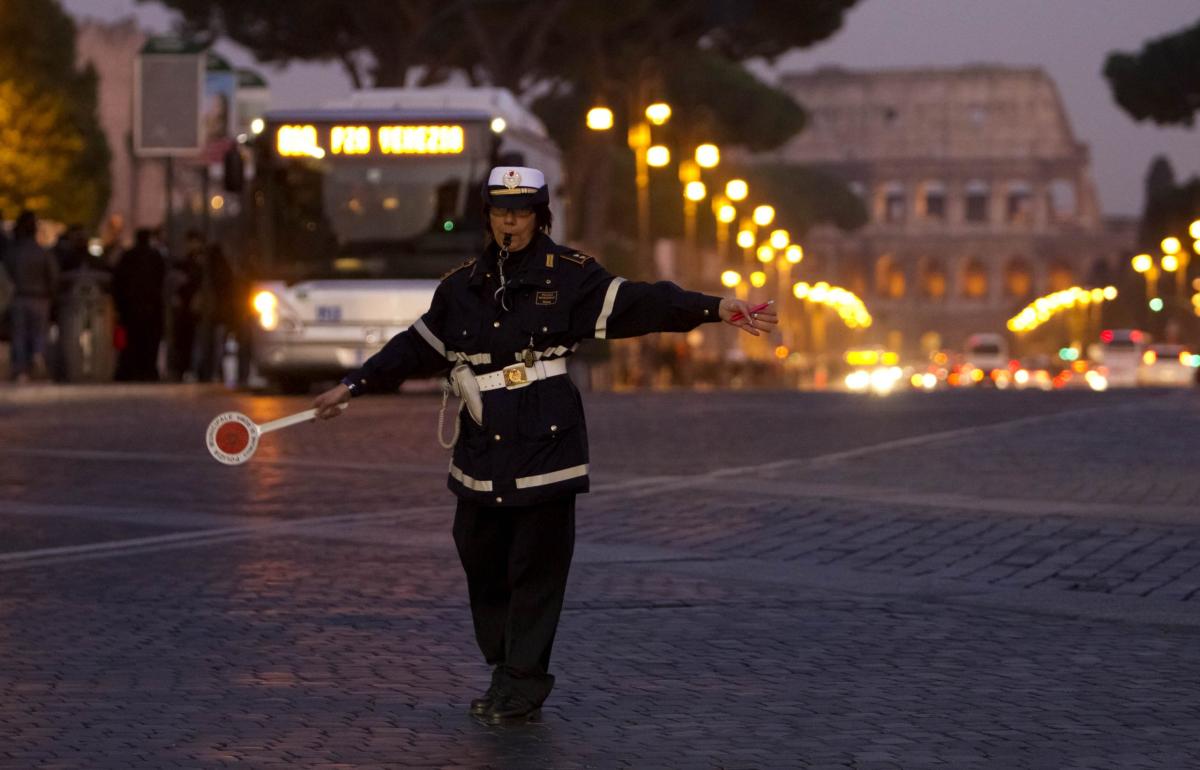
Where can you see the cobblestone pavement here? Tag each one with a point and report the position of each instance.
(763, 580)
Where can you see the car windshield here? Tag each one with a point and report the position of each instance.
(354, 218)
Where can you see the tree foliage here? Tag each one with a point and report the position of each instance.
(1162, 81)
(562, 57)
(54, 158)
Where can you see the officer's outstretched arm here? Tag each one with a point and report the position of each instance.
(610, 307)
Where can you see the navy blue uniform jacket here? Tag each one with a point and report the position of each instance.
(532, 446)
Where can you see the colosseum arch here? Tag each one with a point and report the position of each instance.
(1059, 276)
(890, 279)
(933, 281)
(974, 279)
(852, 275)
(1018, 278)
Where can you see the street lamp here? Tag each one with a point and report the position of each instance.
(745, 239)
(1194, 229)
(730, 278)
(599, 119)
(765, 254)
(658, 113)
(1144, 264)
(708, 156)
(736, 190)
(658, 156)
(1170, 245)
(763, 215)
(1170, 263)
(758, 279)
(794, 253)
(779, 239)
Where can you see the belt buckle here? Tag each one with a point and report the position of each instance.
(515, 376)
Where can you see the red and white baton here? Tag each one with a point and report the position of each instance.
(232, 437)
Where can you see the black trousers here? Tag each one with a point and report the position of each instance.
(517, 560)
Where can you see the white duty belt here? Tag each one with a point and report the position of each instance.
(520, 375)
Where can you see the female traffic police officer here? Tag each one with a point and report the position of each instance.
(509, 320)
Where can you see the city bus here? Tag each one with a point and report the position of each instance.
(358, 209)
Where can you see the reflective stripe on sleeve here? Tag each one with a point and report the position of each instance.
(429, 336)
(610, 299)
(467, 481)
(554, 477)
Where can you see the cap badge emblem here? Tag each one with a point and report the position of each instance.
(511, 178)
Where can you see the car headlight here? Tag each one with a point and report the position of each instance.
(266, 304)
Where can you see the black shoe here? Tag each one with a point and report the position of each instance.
(483, 705)
(512, 709)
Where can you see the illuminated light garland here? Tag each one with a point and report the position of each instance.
(1044, 308)
(845, 303)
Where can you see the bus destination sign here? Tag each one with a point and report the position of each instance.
(307, 140)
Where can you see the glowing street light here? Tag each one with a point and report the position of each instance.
(658, 156)
(1171, 245)
(737, 190)
(758, 279)
(779, 239)
(765, 254)
(745, 239)
(708, 156)
(763, 215)
(658, 113)
(794, 253)
(258, 124)
(1194, 229)
(1170, 263)
(695, 191)
(726, 214)
(730, 278)
(599, 119)
(1143, 262)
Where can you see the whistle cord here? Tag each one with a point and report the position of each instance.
(442, 419)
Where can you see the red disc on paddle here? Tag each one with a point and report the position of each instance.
(232, 437)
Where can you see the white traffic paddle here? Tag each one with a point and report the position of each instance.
(232, 437)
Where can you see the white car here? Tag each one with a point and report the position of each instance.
(1166, 366)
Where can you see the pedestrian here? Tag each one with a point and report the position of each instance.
(507, 322)
(216, 314)
(34, 275)
(138, 295)
(183, 300)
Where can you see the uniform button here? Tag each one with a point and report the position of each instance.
(553, 428)
(705, 311)
(499, 499)
(464, 332)
(496, 324)
(497, 436)
(545, 329)
(547, 281)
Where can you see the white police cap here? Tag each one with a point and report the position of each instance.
(516, 187)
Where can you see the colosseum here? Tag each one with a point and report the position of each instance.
(980, 197)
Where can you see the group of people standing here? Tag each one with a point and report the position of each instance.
(186, 301)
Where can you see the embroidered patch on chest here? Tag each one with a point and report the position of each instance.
(546, 298)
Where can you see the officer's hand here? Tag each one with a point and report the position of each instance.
(327, 404)
(752, 323)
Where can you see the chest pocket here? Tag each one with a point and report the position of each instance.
(546, 322)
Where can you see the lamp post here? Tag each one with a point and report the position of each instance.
(1144, 264)
(639, 139)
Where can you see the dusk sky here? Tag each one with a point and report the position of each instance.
(1069, 38)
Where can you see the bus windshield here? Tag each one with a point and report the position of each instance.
(411, 217)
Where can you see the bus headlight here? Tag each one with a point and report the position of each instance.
(266, 305)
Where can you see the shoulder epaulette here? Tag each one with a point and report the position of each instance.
(452, 271)
(578, 258)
